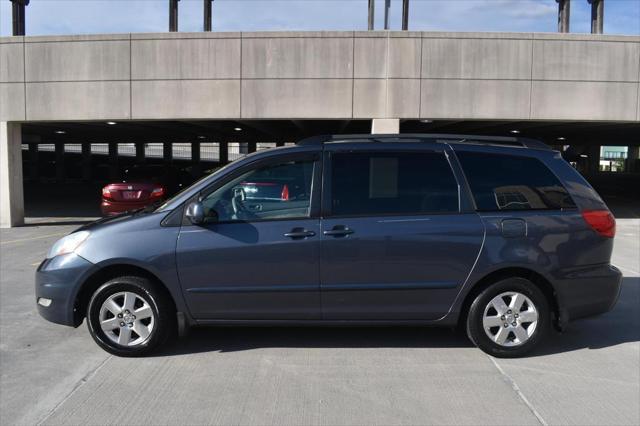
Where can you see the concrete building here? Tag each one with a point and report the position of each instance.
(581, 90)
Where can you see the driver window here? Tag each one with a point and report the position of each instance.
(277, 191)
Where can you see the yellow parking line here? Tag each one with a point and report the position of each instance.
(34, 238)
(36, 264)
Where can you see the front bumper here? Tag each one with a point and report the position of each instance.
(587, 291)
(59, 280)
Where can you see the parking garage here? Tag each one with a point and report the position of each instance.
(66, 164)
(77, 111)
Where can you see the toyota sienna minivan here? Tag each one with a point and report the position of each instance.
(497, 235)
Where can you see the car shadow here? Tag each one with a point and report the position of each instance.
(619, 326)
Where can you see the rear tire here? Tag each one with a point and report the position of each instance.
(127, 316)
(509, 318)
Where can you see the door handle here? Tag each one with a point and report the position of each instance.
(299, 233)
(339, 231)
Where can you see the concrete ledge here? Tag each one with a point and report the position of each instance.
(475, 99)
(473, 58)
(184, 35)
(12, 102)
(11, 62)
(196, 99)
(12, 39)
(94, 100)
(78, 61)
(297, 58)
(579, 100)
(317, 98)
(589, 61)
(213, 58)
(77, 37)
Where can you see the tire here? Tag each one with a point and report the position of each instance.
(127, 332)
(487, 318)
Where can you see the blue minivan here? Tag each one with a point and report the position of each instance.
(497, 235)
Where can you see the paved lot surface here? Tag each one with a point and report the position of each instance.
(381, 376)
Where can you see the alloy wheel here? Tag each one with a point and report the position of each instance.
(510, 319)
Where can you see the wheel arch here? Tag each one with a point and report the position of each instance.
(512, 272)
(102, 275)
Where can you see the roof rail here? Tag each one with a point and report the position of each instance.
(433, 137)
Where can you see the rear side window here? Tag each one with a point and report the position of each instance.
(384, 183)
(507, 182)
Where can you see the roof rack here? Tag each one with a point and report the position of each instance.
(431, 137)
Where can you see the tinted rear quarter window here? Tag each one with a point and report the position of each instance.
(387, 183)
(509, 182)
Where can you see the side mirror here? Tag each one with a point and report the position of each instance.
(195, 213)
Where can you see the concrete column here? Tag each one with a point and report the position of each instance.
(633, 159)
(173, 15)
(224, 152)
(207, 15)
(405, 15)
(251, 147)
(140, 155)
(593, 156)
(281, 143)
(385, 125)
(60, 171)
(167, 152)
(196, 166)
(11, 191)
(113, 160)
(33, 161)
(564, 12)
(86, 161)
(372, 13)
(597, 16)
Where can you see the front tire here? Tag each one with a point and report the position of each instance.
(509, 318)
(128, 316)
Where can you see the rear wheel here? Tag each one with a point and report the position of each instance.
(128, 316)
(509, 318)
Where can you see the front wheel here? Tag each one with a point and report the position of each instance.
(509, 318)
(128, 316)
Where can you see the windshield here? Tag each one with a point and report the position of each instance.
(167, 205)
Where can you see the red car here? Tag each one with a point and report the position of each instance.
(142, 186)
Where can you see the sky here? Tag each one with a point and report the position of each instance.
(47, 17)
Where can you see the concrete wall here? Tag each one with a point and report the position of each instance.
(333, 75)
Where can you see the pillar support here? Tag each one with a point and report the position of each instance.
(564, 13)
(86, 161)
(633, 159)
(113, 160)
(597, 16)
(11, 190)
(140, 154)
(223, 153)
(207, 15)
(167, 152)
(33, 161)
(593, 156)
(173, 15)
(372, 13)
(60, 169)
(405, 15)
(385, 125)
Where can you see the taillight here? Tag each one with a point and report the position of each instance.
(284, 196)
(106, 193)
(602, 221)
(157, 192)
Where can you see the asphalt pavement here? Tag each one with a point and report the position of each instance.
(51, 374)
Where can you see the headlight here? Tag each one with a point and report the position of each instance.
(68, 244)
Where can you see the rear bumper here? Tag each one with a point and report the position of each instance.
(587, 291)
(112, 208)
(58, 281)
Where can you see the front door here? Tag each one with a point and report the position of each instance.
(256, 257)
(395, 242)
